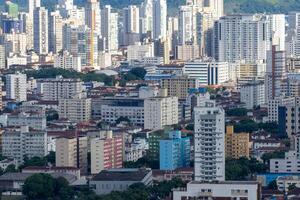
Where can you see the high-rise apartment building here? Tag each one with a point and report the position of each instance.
(159, 13)
(67, 61)
(209, 143)
(276, 72)
(16, 87)
(289, 118)
(75, 109)
(71, 152)
(40, 30)
(82, 42)
(2, 57)
(160, 111)
(21, 142)
(32, 5)
(131, 19)
(55, 32)
(241, 37)
(93, 22)
(106, 153)
(59, 88)
(146, 16)
(109, 29)
(253, 94)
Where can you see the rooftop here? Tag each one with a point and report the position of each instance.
(121, 175)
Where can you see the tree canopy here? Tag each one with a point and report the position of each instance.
(44, 186)
(242, 168)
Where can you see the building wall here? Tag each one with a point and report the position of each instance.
(18, 144)
(179, 86)
(160, 112)
(16, 87)
(76, 110)
(106, 153)
(70, 153)
(209, 143)
(223, 190)
(237, 144)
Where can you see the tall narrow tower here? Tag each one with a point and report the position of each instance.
(92, 20)
(209, 142)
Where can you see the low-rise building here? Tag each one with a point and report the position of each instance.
(208, 72)
(256, 144)
(185, 174)
(14, 181)
(179, 86)
(283, 183)
(119, 180)
(220, 190)
(289, 164)
(135, 150)
(65, 170)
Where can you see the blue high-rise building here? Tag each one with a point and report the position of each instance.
(174, 152)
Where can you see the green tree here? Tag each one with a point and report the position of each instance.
(268, 156)
(62, 189)
(11, 168)
(39, 187)
(122, 119)
(246, 126)
(241, 169)
(272, 185)
(292, 187)
(51, 157)
(44, 186)
(237, 112)
(138, 72)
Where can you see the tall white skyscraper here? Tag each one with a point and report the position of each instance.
(159, 19)
(32, 5)
(293, 35)
(16, 87)
(209, 142)
(185, 25)
(131, 19)
(55, 32)
(40, 30)
(241, 37)
(146, 16)
(109, 28)
(277, 30)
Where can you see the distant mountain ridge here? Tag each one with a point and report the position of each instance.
(231, 6)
